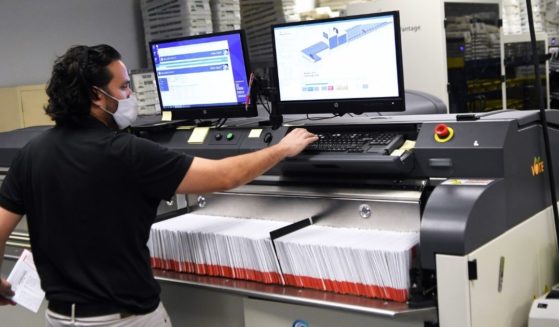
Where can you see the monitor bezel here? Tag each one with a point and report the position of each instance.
(209, 112)
(344, 106)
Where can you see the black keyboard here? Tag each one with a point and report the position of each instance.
(349, 142)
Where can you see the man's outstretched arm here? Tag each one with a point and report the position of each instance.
(206, 175)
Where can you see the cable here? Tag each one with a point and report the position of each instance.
(210, 123)
(324, 118)
(220, 122)
(543, 118)
(264, 104)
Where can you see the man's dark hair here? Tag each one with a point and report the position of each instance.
(70, 88)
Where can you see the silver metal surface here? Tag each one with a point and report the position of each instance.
(349, 303)
(331, 192)
(395, 210)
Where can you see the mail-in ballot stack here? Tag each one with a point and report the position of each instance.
(369, 263)
(216, 246)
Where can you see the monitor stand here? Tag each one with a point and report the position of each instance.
(203, 123)
(276, 119)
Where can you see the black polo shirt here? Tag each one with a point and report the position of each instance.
(90, 195)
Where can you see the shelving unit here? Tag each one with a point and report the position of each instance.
(474, 56)
(519, 71)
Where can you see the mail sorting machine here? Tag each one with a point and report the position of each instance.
(476, 192)
(473, 186)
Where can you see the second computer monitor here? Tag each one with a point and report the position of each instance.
(343, 65)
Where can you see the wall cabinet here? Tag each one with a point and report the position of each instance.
(22, 106)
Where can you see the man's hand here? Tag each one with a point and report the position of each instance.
(297, 140)
(6, 291)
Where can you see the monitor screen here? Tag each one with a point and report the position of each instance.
(203, 76)
(342, 65)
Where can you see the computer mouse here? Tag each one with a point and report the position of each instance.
(268, 137)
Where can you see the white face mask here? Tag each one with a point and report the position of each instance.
(126, 111)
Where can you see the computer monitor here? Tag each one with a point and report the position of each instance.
(342, 65)
(203, 76)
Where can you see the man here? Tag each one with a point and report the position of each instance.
(90, 194)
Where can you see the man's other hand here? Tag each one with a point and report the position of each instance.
(5, 292)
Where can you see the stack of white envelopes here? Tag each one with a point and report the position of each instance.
(216, 246)
(368, 263)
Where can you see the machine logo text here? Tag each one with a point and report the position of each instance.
(537, 166)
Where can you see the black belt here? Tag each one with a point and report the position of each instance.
(85, 310)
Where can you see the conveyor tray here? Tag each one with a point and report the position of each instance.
(287, 294)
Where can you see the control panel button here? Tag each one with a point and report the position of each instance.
(268, 137)
(230, 136)
(442, 130)
(218, 136)
(443, 133)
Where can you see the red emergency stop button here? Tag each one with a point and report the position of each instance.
(443, 133)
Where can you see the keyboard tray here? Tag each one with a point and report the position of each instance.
(349, 163)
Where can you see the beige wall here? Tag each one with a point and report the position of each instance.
(22, 106)
(9, 117)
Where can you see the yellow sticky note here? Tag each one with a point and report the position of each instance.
(166, 115)
(198, 135)
(397, 152)
(408, 145)
(255, 133)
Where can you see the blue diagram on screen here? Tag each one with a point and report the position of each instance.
(334, 39)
